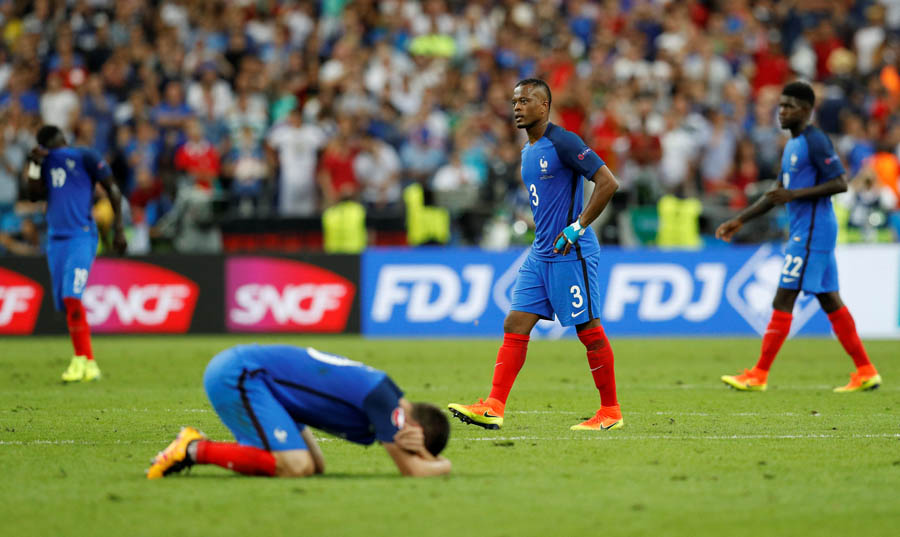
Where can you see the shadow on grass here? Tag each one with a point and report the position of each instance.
(325, 476)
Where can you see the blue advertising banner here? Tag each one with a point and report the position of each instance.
(467, 292)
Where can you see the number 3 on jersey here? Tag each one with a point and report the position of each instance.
(534, 197)
(57, 177)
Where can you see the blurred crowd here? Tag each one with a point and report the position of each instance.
(210, 109)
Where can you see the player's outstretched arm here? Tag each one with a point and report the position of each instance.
(115, 199)
(763, 205)
(605, 185)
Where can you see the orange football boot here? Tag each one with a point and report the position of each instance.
(487, 414)
(751, 380)
(608, 417)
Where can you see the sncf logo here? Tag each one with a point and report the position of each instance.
(130, 296)
(20, 302)
(279, 295)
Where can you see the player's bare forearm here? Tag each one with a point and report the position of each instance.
(314, 450)
(605, 185)
(417, 464)
(760, 207)
(830, 188)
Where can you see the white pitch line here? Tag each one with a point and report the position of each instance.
(588, 437)
(701, 414)
(618, 436)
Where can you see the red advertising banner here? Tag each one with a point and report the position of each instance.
(20, 303)
(132, 296)
(264, 294)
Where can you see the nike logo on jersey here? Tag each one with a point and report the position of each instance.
(788, 280)
(577, 313)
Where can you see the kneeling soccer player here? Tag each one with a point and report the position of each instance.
(267, 395)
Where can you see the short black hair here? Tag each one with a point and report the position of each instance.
(801, 91)
(537, 82)
(47, 133)
(434, 424)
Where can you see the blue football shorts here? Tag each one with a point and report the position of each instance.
(570, 289)
(811, 271)
(245, 404)
(70, 260)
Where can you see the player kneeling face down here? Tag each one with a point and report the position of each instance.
(267, 395)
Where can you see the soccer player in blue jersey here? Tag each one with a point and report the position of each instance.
(560, 275)
(66, 177)
(811, 173)
(267, 395)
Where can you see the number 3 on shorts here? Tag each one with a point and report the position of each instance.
(576, 295)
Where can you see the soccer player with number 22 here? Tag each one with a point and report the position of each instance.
(560, 275)
(810, 174)
(66, 176)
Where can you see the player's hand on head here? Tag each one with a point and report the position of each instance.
(410, 438)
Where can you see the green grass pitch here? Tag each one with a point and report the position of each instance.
(695, 457)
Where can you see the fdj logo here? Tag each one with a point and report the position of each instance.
(432, 292)
(664, 291)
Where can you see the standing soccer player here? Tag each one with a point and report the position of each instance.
(810, 174)
(66, 176)
(560, 274)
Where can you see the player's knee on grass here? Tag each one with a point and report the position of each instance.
(294, 463)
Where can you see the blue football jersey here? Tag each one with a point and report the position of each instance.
(329, 392)
(552, 170)
(70, 174)
(809, 160)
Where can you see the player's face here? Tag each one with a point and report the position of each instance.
(529, 106)
(791, 112)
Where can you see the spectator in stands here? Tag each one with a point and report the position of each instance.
(59, 104)
(198, 158)
(99, 105)
(248, 169)
(377, 167)
(293, 146)
(143, 151)
(337, 177)
(634, 79)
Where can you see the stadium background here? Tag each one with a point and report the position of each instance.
(262, 134)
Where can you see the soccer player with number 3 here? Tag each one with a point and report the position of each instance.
(66, 177)
(810, 174)
(560, 275)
